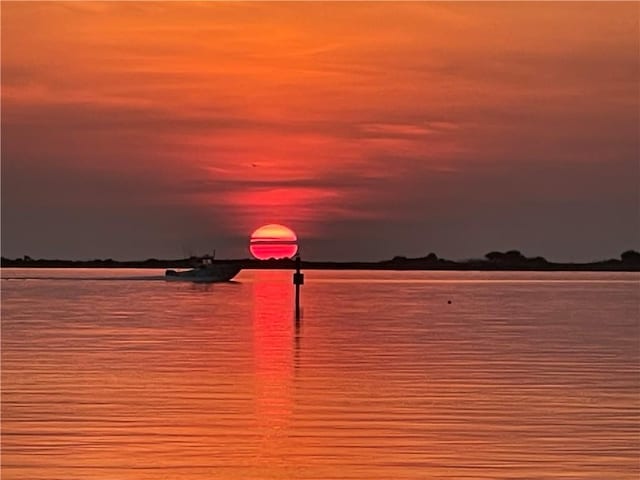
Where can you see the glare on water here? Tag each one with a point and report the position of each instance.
(117, 374)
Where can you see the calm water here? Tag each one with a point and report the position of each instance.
(116, 374)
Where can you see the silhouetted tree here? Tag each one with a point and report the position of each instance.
(494, 256)
(630, 256)
(538, 260)
(510, 257)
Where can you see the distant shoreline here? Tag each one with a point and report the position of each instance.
(494, 261)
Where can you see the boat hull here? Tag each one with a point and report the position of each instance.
(208, 274)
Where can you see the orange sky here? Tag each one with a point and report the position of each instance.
(372, 129)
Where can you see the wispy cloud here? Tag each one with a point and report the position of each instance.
(325, 115)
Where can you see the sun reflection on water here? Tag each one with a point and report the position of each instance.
(273, 344)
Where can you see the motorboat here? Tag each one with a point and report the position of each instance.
(206, 272)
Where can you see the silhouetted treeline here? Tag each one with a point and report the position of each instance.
(510, 260)
(27, 261)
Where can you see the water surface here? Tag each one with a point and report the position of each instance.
(116, 374)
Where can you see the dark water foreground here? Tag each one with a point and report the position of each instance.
(521, 376)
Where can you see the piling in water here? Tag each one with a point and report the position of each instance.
(298, 279)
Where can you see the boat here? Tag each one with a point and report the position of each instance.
(205, 272)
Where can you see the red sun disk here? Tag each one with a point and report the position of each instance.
(265, 252)
(273, 241)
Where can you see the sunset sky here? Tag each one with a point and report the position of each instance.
(372, 129)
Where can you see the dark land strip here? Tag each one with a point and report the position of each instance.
(512, 260)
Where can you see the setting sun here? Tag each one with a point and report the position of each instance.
(273, 241)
